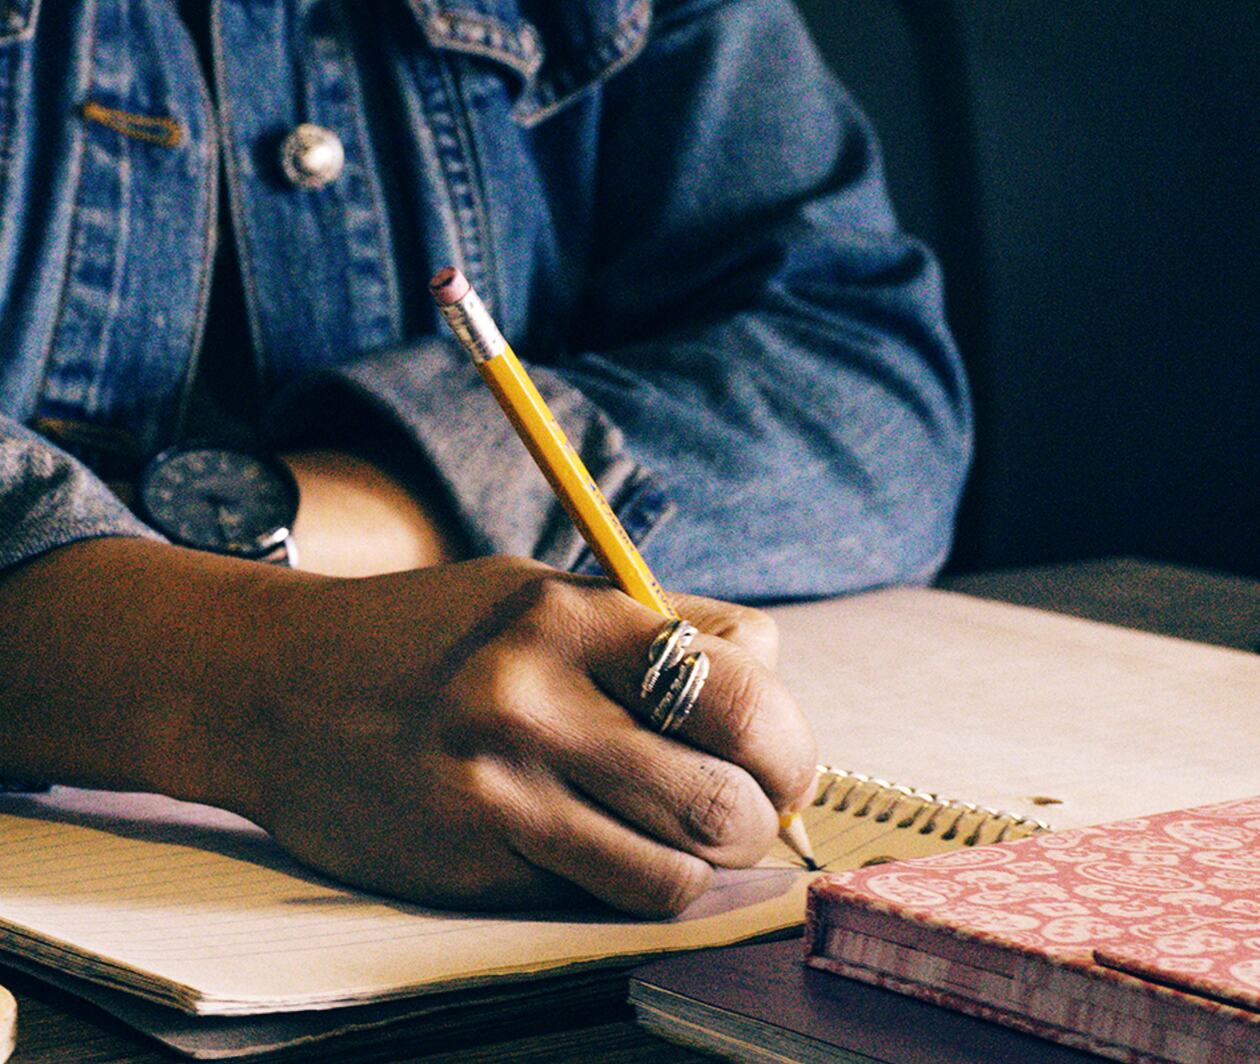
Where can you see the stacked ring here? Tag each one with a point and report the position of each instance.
(666, 651)
(678, 701)
(667, 656)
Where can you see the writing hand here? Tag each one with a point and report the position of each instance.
(463, 736)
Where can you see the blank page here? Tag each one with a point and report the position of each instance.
(1003, 705)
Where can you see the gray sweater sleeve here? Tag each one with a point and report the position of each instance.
(48, 499)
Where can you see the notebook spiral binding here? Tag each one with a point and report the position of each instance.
(904, 807)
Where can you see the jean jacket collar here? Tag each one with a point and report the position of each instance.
(557, 51)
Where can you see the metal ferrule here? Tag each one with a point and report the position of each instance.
(474, 328)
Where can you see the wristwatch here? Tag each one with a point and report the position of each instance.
(233, 502)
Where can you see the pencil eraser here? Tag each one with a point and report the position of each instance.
(449, 285)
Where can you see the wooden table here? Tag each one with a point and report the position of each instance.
(1210, 607)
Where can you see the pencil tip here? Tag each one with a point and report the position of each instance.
(811, 864)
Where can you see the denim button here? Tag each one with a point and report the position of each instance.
(312, 156)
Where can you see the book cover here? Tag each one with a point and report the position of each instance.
(1138, 940)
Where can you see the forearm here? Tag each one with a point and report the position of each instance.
(473, 707)
(771, 346)
(356, 519)
(129, 664)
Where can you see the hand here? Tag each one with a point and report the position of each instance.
(465, 736)
(460, 735)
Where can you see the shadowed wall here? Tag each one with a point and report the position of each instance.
(1090, 174)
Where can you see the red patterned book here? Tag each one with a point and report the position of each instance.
(1137, 940)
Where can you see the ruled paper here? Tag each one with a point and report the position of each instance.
(196, 908)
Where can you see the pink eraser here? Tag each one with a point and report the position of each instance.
(449, 286)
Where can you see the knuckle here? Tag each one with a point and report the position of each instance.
(551, 599)
(498, 705)
(718, 812)
(498, 680)
(483, 784)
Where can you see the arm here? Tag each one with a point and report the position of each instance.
(357, 519)
(740, 334)
(770, 343)
(479, 707)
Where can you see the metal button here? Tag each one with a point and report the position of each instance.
(312, 156)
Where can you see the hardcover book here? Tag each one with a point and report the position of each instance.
(1137, 940)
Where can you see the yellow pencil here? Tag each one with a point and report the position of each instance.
(560, 464)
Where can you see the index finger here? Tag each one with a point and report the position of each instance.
(751, 629)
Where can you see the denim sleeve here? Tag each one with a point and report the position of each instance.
(446, 418)
(48, 499)
(762, 353)
(804, 404)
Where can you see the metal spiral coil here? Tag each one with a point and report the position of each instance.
(884, 800)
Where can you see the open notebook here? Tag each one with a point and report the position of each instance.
(1040, 715)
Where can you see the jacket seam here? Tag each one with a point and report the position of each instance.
(8, 123)
(211, 236)
(383, 235)
(75, 182)
(231, 177)
(439, 101)
(122, 243)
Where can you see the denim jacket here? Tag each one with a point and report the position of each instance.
(676, 215)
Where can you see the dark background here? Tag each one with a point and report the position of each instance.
(1090, 174)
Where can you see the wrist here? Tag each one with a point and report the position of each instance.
(147, 674)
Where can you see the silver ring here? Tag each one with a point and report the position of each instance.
(667, 650)
(680, 698)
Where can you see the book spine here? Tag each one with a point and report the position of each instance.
(1060, 996)
(996, 1014)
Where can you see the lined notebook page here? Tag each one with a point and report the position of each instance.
(992, 703)
(196, 908)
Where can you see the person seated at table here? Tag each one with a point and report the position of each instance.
(217, 224)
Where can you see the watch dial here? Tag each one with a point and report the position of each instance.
(225, 501)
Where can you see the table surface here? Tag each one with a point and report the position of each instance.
(1194, 604)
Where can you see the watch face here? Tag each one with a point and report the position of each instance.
(218, 500)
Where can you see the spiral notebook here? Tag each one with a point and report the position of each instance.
(1053, 720)
(194, 908)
